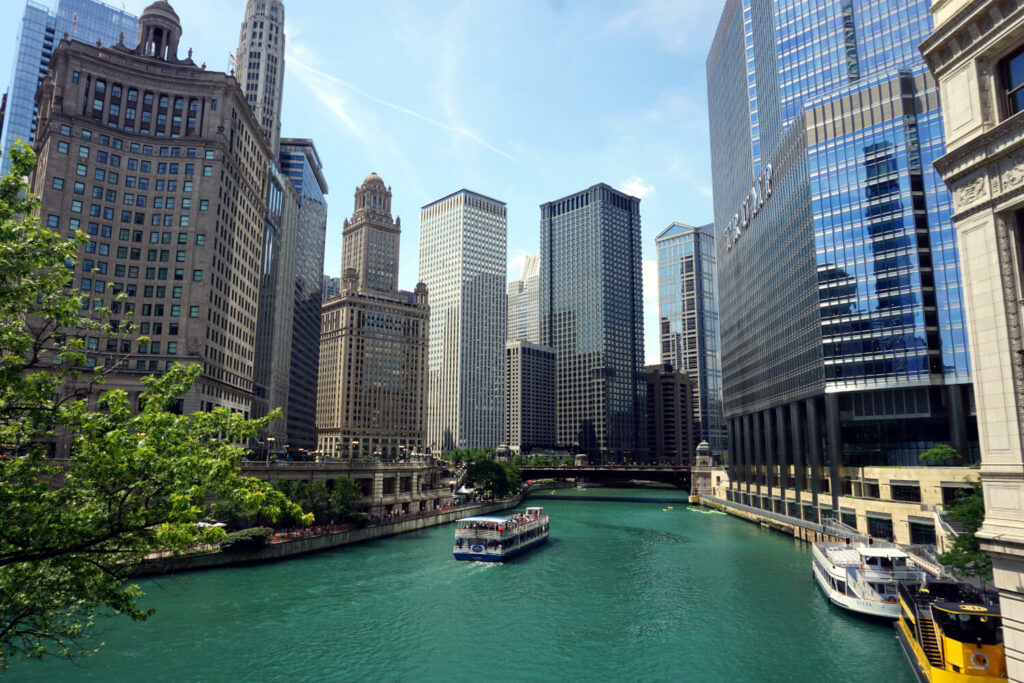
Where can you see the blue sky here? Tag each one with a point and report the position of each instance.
(523, 101)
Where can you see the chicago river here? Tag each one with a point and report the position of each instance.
(623, 591)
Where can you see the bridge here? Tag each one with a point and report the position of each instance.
(676, 475)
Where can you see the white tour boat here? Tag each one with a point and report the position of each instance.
(493, 539)
(863, 577)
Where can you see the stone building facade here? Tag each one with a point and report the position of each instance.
(976, 52)
(371, 390)
(163, 165)
(260, 64)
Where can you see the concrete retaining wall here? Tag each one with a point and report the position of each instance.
(312, 544)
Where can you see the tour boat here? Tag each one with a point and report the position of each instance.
(493, 539)
(862, 577)
(951, 632)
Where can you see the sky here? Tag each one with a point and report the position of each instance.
(524, 101)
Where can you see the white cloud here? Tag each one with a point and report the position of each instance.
(515, 264)
(636, 186)
(298, 56)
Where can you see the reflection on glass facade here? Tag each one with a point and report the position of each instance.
(524, 303)
(688, 320)
(41, 30)
(840, 298)
(301, 163)
(591, 315)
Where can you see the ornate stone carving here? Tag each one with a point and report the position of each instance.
(970, 192)
(1008, 278)
(1013, 173)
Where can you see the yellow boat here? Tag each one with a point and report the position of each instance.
(951, 633)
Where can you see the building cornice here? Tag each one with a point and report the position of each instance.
(977, 27)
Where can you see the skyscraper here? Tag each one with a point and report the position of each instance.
(260, 64)
(173, 211)
(591, 314)
(672, 430)
(688, 321)
(372, 389)
(41, 30)
(843, 338)
(462, 262)
(301, 163)
(530, 396)
(524, 303)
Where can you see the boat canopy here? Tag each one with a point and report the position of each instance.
(882, 552)
(499, 520)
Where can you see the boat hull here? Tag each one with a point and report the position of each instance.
(870, 608)
(498, 557)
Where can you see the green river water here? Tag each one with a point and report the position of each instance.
(623, 591)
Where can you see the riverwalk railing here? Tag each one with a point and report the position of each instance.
(785, 519)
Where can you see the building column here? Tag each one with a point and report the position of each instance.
(747, 453)
(834, 435)
(957, 420)
(783, 449)
(771, 456)
(799, 459)
(814, 447)
(757, 431)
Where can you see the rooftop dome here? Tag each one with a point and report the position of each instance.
(159, 32)
(373, 179)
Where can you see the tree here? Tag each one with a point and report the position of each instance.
(136, 483)
(966, 555)
(493, 479)
(941, 453)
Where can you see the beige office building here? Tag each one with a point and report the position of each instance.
(371, 390)
(977, 54)
(163, 165)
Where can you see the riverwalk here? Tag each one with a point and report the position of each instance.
(291, 544)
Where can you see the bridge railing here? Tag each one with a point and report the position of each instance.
(785, 519)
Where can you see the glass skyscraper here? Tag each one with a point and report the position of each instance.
(591, 314)
(524, 303)
(843, 338)
(688, 321)
(301, 163)
(41, 30)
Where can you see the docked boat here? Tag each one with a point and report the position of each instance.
(493, 539)
(863, 577)
(951, 632)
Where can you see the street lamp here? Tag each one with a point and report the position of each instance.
(270, 448)
(355, 448)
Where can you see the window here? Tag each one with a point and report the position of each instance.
(83, 152)
(65, 129)
(176, 310)
(180, 256)
(200, 240)
(53, 221)
(190, 169)
(210, 154)
(204, 205)
(1012, 73)
(207, 171)
(197, 276)
(81, 170)
(193, 311)
(76, 206)
(62, 147)
(183, 221)
(58, 184)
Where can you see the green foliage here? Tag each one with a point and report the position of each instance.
(461, 456)
(966, 556)
(137, 483)
(493, 479)
(327, 503)
(941, 453)
(360, 519)
(246, 540)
